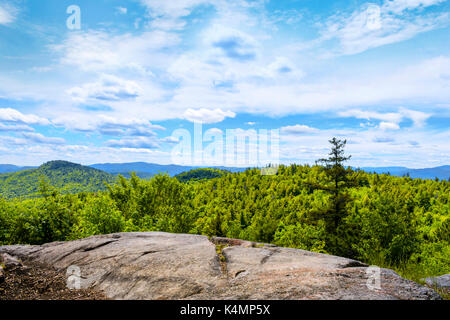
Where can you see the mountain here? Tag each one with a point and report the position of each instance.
(145, 170)
(66, 176)
(6, 168)
(442, 172)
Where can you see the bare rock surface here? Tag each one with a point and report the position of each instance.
(156, 265)
(442, 282)
(9, 261)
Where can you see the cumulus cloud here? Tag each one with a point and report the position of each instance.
(12, 115)
(14, 141)
(108, 88)
(298, 130)
(11, 128)
(389, 126)
(39, 138)
(207, 115)
(109, 125)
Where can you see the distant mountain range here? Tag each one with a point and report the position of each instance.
(7, 168)
(146, 170)
(442, 172)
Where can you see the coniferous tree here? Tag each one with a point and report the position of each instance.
(337, 186)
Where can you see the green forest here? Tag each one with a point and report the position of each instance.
(395, 222)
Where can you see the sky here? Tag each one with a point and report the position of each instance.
(115, 81)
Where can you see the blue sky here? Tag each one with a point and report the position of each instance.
(376, 73)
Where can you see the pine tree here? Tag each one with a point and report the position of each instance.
(337, 186)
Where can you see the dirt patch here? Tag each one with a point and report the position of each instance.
(38, 282)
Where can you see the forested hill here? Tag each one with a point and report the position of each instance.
(200, 174)
(66, 176)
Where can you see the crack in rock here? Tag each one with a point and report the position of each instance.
(267, 257)
(97, 246)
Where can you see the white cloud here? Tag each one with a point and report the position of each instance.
(390, 120)
(372, 147)
(122, 10)
(166, 15)
(398, 6)
(179, 8)
(108, 125)
(298, 130)
(8, 141)
(369, 115)
(40, 153)
(108, 88)
(170, 139)
(215, 131)
(100, 51)
(39, 138)
(389, 126)
(12, 115)
(419, 118)
(8, 14)
(134, 143)
(11, 128)
(356, 33)
(207, 115)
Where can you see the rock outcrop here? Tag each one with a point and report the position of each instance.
(156, 265)
(9, 261)
(442, 282)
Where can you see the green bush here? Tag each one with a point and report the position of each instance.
(100, 216)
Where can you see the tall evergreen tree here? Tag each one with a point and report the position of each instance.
(337, 186)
